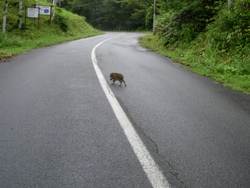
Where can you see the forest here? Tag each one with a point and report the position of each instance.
(116, 15)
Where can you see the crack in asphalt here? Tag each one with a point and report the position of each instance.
(172, 169)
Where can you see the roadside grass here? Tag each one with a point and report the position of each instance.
(232, 71)
(66, 26)
(16, 45)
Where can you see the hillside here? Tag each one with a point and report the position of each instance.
(65, 26)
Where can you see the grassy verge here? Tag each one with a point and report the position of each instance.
(16, 44)
(232, 71)
(66, 26)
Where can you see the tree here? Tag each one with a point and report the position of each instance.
(5, 15)
(154, 17)
(20, 13)
(113, 14)
(229, 3)
(54, 12)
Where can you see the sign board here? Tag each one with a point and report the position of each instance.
(44, 10)
(33, 12)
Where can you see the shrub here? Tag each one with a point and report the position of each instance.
(61, 22)
(231, 30)
(184, 26)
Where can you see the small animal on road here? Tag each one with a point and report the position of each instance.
(117, 76)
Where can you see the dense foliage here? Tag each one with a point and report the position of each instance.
(226, 26)
(214, 28)
(114, 14)
(184, 21)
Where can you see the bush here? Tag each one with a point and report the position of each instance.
(9, 40)
(231, 30)
(184, 26)
(61, 22)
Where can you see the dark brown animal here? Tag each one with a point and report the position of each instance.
(117, 76)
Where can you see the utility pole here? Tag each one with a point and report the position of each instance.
(154, 17)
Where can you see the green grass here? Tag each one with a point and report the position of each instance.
(16, 45)
(232, 71)
(66, 26)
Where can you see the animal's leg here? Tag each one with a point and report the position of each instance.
(120, 82)
(124, 83)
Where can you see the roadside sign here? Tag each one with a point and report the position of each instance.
(37, 10)
(44, 10)
(33, 12)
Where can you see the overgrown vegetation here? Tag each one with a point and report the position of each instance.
(129, 15)
(66, 26)
(209, 37)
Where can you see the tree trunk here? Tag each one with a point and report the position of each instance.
(229, 4)
(54, 12)
(5, 15)
(20, 13)
(154, 17)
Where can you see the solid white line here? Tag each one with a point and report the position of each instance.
(148, 164)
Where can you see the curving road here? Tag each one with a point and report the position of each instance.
(58, 129)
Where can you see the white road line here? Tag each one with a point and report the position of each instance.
(148, 164)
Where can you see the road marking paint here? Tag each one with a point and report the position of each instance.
(148, 164)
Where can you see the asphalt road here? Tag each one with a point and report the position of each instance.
(59, 130)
